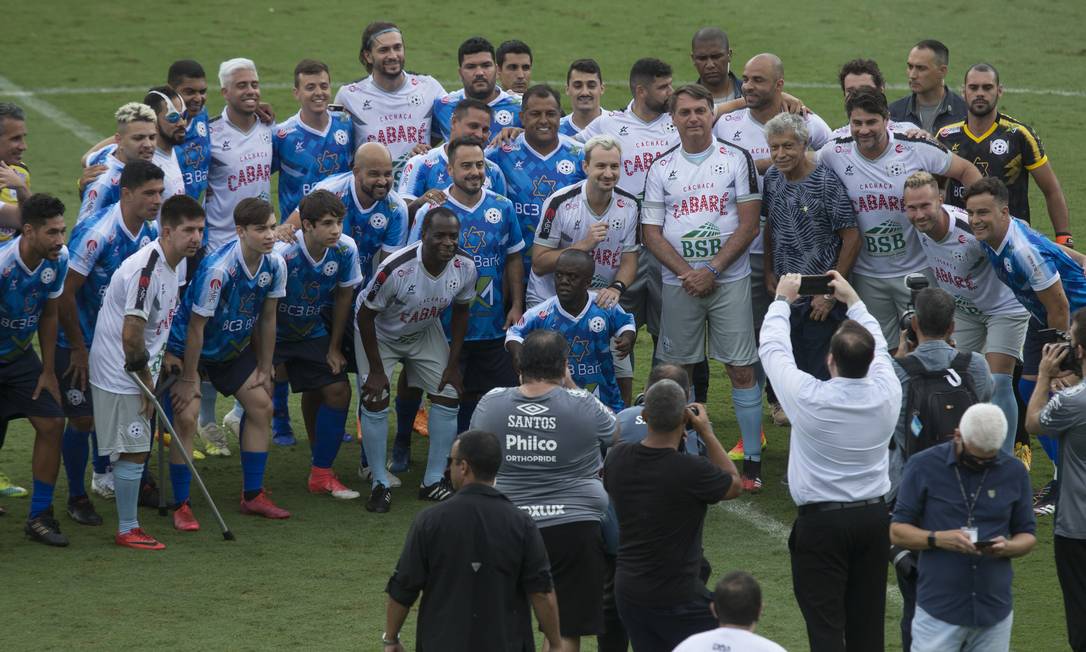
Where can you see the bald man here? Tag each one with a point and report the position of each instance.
(712, 57)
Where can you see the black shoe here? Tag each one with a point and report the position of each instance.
(437, 492)
(44, 529)
(149, 493)
(81, 510)
(380, 500)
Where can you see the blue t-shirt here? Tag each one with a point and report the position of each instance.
(194, 155)
(431, 170)
(231, 298)
(505, 107)
(105, 190)
(566, 126)
(304, 156)
(589, 335)
(305, 311)
(23, 293)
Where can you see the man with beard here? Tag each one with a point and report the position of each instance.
(712, 57)
(584, 87)
(864, 72)
(194, 154)
(479, 74)
(135, 139)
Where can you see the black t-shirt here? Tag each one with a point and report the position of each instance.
(660, 497)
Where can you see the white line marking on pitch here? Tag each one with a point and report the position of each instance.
(62, 119)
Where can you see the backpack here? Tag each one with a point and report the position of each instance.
(936, 401)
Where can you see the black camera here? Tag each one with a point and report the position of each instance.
(1070, 362)
(915, 282)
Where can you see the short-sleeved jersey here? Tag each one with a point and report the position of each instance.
(805, 217)
(304, 156)
(431, 170)
(23, 293)
(407, 299)
(589, 334)
(876, 187)
(98, 246)
(1009, 150)
(224, 291)
(306, 309)
(505, 112)
(194, 155)
(381, 227)
(8, 196)
(106, 189)
(398, 120)
(172, 184)
(961, 267)
(641, 143)
(1064, 416)
(241, 167)
(696, 203)
(567, 218)
(489, 233)
(1027, 262)
(144, 286)
(567, 127)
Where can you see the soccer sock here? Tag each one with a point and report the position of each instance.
(252, 469)
(41, 497)
(329, 435)
(208, 396)
(463, 419)
(748, 412)
(100, 462)
(375, 443)
(1003, 397)
(126, 480)
(406, 409)
(443, 424)
(181, 481)
(700, 381)
(280, 397)
(1050, 445)
(75, 451)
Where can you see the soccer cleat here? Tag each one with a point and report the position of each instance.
(422, 422)
(138, 539)
(751, 485)
(365, 474)
(215, 443)
(1044, 501)
(261, 505)
(324, 481)
(232, 422)
(81, 510)
(282, 433)
(183, 518)
(737, 453)
(380, 500)
(437, 492)
(8, 489)
(780, 419)
(1024, 454)
(1044, 492)
(102, 484)
(43, 528)
(401, 459)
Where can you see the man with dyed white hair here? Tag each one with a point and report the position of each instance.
(135, 138)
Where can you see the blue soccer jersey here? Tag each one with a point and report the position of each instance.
(194, 155)
(506, 113)
(304, 156)
(23, 293)
(431, 170)
(231, 298)
(98, 246)
(489, 232)
(106, 189)
(381, 227)
(589, 335)
(311, 287)
(1027, 262)
(567, 128)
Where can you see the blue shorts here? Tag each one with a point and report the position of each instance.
(229, 376)
(307, 365)
(1032, 348)
(18, 379)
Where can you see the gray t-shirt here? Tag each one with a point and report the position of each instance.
(1065, 417)
(632, 429)
(550, 451)
(927, 115)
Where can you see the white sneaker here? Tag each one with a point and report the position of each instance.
(102, 484)
(365, 474)
(214, 440)
(232, 422)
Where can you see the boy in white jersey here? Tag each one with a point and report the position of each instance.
(737, 605)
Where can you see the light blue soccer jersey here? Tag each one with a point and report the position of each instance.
(382, 226)
(505, 107)
(589, 335)
(431, 170)
(566, 126)
(23, 293)
(98, 246)
(311, 287)
(106, 189)
(489, 232)
(231, 298)
(1027, 262)
(304, 156)
(194, 155)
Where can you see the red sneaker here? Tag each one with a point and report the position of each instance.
(263, 506)
(184, 520)
(324, 481)
(139, 540)
(422, 422)
(751, 485)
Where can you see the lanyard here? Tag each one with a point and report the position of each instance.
(969, 505)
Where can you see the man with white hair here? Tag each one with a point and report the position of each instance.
(967, 506)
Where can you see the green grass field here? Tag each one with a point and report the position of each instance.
(316, 581)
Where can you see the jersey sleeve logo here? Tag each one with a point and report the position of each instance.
(341, 137)
(565, 167)
(263, 279)
(999, 147)
(48, 275)
(503, 117)
(596, 324)
(330, 268)
(378, 221)
(493, 215)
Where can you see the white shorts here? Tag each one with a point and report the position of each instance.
(730, 322)
(886, 299)
(120, 425)
(623, 366)
(991, 334)
(424, 356)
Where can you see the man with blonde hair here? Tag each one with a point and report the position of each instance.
(135, 138)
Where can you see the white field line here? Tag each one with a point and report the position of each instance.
(62, 119)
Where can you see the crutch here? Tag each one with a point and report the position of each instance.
(147, 393)
(160, 392)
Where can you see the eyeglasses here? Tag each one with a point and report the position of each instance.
(173, 116)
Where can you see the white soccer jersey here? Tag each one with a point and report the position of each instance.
(890, 246)
(174, 183)
(641, 143)
(407, 299)
(240, 168)
(696, 203)
(961, 267)
(398, 120)
(144, 286)
(567, 218)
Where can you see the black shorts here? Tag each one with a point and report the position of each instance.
(18, 379)
(1032, 349)
(229, 376)
(306, 363)
(578, 566)
(74, 401)
(484, 365)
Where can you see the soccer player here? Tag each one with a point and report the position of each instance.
(314, 143)
(479, 76)
(399, 321)
(1003, 147)
(32, 270)
(194, 154)
(225, 328)
(135, 139)
(131, 331)
(322, 273)
(14, 173)
(699, 216)
(873, 163)
(98, 247)
(390, 106)
(931, 104)
(712, 57)
(584, 87)
(590, 328)
(514, 66)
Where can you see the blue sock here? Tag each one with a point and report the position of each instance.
(748, 412)
(329, 435)
(252, 468)
(41, 497)
(280, 397)
(75, 450)
(443, 424)
(1051, 446)
(1003, 397)
(463, 419)
(406, 409)
(101, 462)
(375, 443)
(208, 396)
(126, 483)
(181, 481)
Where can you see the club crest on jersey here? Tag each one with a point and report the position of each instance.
(265, 137)
(378, 221)
(999, 147)
(48, 275)
(452, 285)
(330, 268)
(503, 117)
(1007, 265)
(75, 397)
(895, 169)
(341, 137)
(669, 128)
(144, 241)
(264, 279)
(720, 168)
(596, 324)
(201, 129)
(493, 215)
(565, 167)
(415, 100)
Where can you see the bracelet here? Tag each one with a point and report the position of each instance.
(618, 285)
(385, 640)
(1065, 239)
(712, 269)
(138, 362)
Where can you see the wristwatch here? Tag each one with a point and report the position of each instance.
(931, 540)
(781, 297)
(385, 640)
